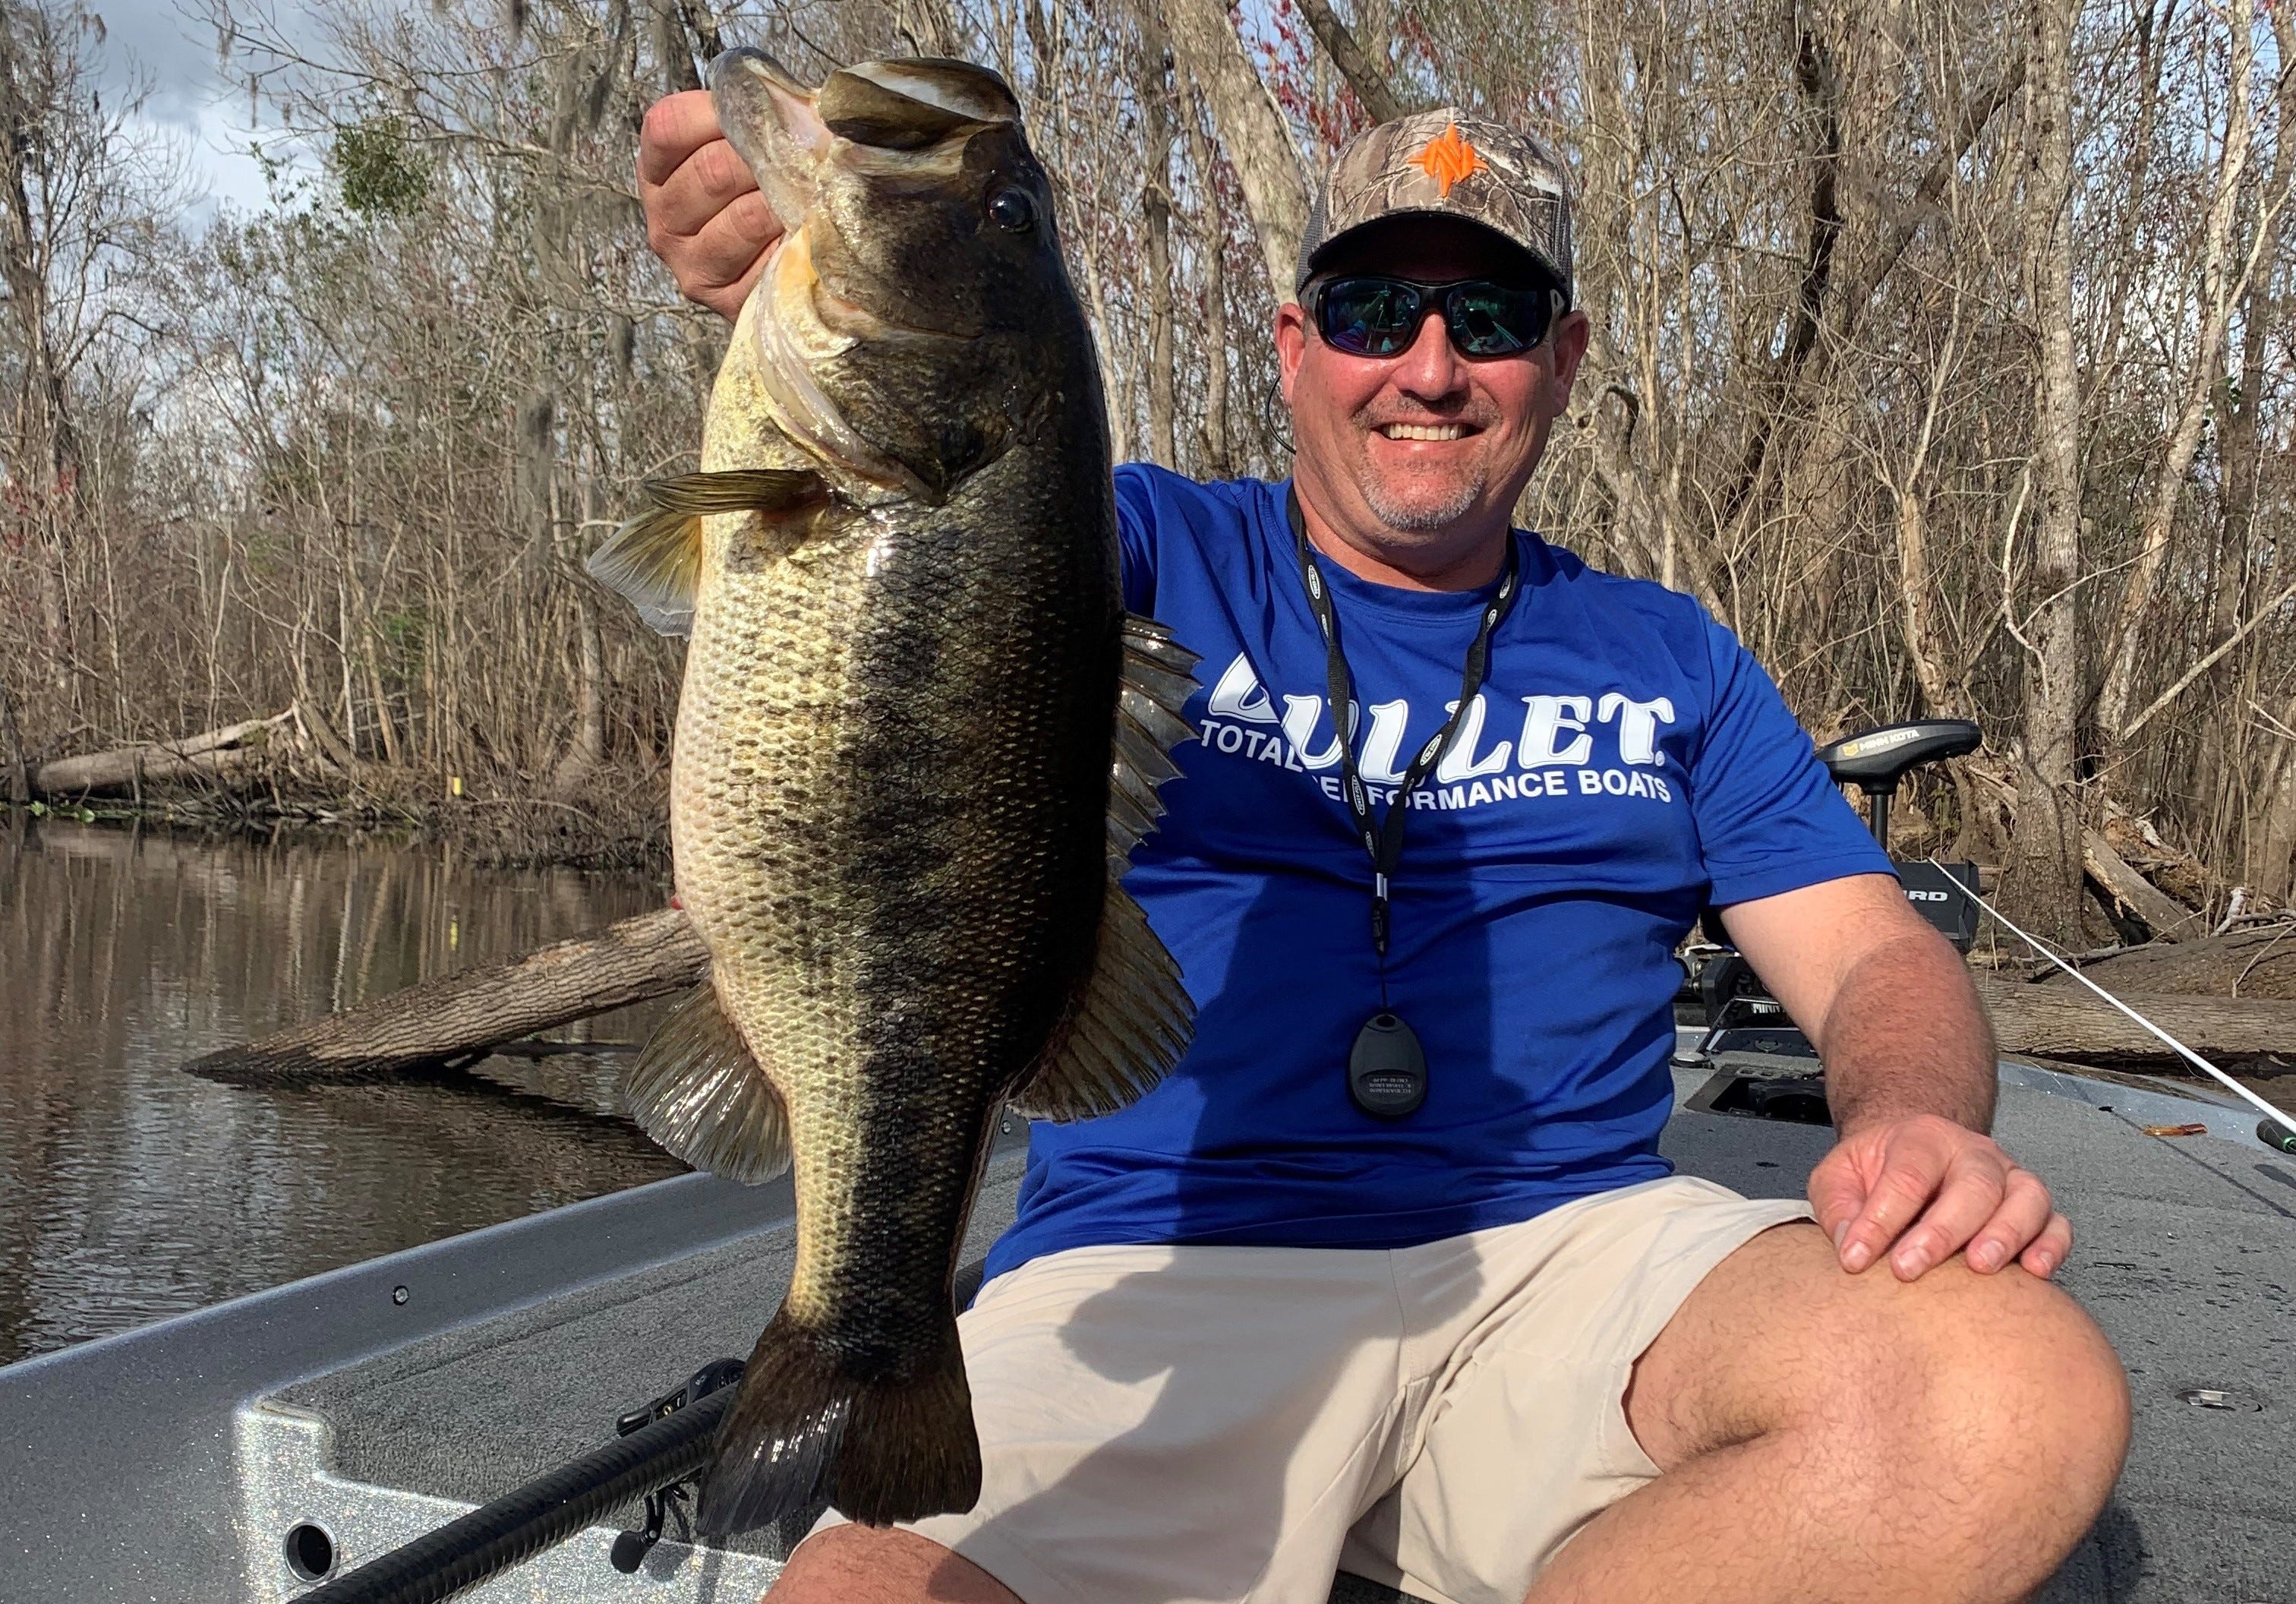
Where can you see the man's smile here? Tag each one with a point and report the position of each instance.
(1438, 431)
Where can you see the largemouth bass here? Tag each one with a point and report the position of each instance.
(918, 737)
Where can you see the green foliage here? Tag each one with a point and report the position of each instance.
(380, 172)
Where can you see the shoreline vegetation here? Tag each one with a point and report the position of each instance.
(267, 774)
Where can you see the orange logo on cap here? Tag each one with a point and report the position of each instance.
(1448, 158)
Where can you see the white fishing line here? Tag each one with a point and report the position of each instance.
(2276, 1115)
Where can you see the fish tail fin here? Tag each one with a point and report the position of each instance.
(806, 1432)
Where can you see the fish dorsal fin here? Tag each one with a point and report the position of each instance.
(1128, 1024)
(697, 1090)
(655, 559)
(1151, 699)
(1131, 1019)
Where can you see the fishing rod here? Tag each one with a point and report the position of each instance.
(2273, 1130)
(666, 1442)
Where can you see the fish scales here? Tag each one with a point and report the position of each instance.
(888, 788)
(897, 743)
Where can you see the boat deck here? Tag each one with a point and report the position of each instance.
(513, 1350)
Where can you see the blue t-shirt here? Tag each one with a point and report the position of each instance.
(1628, 762)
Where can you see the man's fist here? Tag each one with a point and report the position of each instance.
(705, 216)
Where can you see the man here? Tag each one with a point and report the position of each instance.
(1387, 1275)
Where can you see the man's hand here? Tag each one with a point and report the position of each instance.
(704, 215)
(1933, 1188)
(1910, 1077)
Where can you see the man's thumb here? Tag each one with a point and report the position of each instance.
(1836, 1195)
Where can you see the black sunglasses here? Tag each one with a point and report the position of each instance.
(1378, 314)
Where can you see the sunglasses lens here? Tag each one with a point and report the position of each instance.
(1380, 317)
(1369, 316)
(1490, 320)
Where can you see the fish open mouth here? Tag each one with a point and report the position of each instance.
(770, 120)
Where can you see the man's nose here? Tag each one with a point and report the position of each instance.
(1431, 369)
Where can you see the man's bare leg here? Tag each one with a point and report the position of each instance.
(861, 1565)
(1832, 1439)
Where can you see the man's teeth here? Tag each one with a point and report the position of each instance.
(1424, 430)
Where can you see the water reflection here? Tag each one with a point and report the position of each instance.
(129, 1190)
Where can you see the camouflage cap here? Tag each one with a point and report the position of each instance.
(1444, 163)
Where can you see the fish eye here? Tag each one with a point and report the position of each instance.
(1013, 210)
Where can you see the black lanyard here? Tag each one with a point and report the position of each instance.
(1382, 838)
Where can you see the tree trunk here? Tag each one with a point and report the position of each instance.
(1369, 81)
(2222, 281)
(585, 752)
(2167, 919)
(2257, 962)
(460, 1015)
(2042, 886)
(1211, 241)
(203, 757)
(49, 449)
(19, 767)
(1156, 203)
(1250, 127)
(2274, 860)
(929, 27)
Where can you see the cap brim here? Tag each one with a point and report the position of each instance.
(1320, 257)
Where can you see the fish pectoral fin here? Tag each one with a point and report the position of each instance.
(698, 1091)
(1128, 1024)
(655, 559)
(1154, 688)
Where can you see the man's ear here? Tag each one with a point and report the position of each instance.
(1569, 344)
(1291, 345)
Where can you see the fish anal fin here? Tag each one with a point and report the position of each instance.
(698, 1091)
(1128, 1024)
(655, 559)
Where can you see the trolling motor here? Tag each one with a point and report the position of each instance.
(1737, 1003)
(1874, 762)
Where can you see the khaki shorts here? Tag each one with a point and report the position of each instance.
(1166, 1424)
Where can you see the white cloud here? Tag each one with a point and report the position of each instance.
(189, 101)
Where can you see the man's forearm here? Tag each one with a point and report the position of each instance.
(1904, 1035)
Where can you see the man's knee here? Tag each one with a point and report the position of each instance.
(1989, 1410)
(1993, 1401)
(868, 1564)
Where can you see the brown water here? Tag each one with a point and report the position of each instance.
(130, 1191)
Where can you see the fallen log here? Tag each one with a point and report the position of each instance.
(463, 1015)
(2169, 919)
(2065, 1021)
(459, 1015)
(2257, 962)
(213, 755)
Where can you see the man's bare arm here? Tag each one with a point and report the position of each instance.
(1909, 1063)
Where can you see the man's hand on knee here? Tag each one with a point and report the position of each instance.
(1920, 1188)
